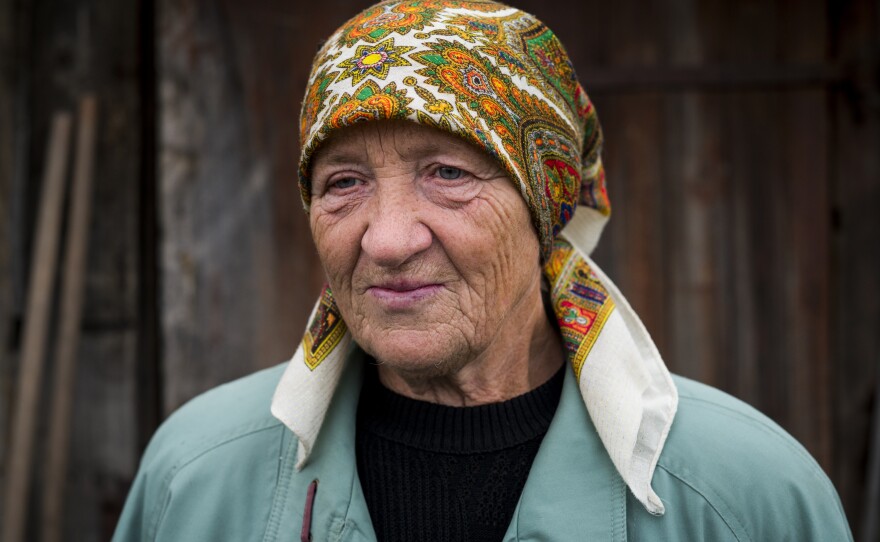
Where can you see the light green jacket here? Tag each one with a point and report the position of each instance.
(222, 469)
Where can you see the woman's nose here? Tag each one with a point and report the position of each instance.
(396, 231)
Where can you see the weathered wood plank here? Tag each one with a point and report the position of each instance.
(26, 409)
(633, 247)
(102, 467)
(7, 91)
(214, 198)
(856, 235)
(70, 318)
(232, 80)
(805, 39)
(106, 413)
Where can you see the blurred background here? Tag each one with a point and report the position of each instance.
(743, 160)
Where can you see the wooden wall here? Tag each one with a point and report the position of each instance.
(739, 147)
(742, 143)
(51, 53)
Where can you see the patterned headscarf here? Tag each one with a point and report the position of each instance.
(491, 74)
(501, 80)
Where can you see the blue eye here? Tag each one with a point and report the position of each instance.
(449, 173)
(347, 182)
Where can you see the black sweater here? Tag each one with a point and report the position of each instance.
(434, 472)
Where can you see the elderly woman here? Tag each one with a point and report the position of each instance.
(468, 373)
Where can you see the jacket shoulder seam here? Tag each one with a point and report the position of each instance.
(712, 503)
(783, 438)
(207, 446)
(758, 421)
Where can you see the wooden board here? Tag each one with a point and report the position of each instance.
(38, 318)
(855, 193)
(228, 192)
(6, 160)
(79, 218)
(105, 445)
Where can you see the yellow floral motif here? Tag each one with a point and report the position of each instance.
(373, 60)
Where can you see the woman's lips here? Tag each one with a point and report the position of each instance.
(402, 295)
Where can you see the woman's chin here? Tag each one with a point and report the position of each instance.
(417, 358)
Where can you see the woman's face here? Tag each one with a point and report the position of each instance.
(427, 244)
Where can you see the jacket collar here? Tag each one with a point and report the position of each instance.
(573, 491)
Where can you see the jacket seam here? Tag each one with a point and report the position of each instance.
(807, 460)
(283, 479)
(187, 460)
(154, 525)
(712, 504)
(616, 497)
(757, 420)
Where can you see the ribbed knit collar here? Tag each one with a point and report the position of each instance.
(462, 430)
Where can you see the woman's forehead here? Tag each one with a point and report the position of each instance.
(407, 140)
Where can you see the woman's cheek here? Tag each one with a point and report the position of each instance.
(337, 238)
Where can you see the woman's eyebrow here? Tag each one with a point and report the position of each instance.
(429, 151)
(410, 151)
(335, 157)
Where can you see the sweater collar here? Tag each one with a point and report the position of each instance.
(454, 429)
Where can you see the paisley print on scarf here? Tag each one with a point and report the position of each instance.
(581, 304)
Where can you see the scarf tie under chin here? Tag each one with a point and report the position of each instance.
(498, 78)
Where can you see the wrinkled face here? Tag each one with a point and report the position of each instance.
(427, 244)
